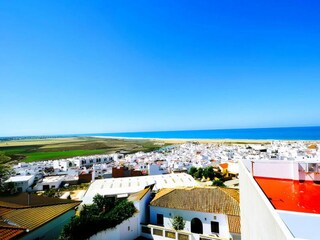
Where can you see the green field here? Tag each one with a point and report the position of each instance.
(58, 148)
(38, 156)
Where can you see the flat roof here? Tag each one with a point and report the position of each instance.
(20, 178)
(117, 186)
(291, 195)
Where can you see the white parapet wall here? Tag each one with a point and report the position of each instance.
(259, 220)
(128, 229)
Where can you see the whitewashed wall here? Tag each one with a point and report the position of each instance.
(205, 218)
(128, 229)
(259, 220)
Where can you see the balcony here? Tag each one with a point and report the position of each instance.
(158, 232)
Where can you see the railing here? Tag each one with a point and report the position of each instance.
(150, 230)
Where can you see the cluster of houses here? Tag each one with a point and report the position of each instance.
(161, 189)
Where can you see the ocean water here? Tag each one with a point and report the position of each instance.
(290, 133)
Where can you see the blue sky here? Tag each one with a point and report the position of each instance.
(117, 66)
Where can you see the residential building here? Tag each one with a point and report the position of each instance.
(22, 183)
(208, 213)
(28, 216)
(279, 199)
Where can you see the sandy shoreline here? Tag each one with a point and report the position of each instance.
(184, 140)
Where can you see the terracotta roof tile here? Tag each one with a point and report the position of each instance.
(9, 232)
(212, 200)
(34, 217)
(234, 224)
(139, 195)
(22, 200)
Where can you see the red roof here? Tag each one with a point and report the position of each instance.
(9, 232)
(291, 195)
(224, 165)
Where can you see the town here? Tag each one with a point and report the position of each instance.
(178, 191)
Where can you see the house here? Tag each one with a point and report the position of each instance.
(49, 183)
(279, 199)
(208, 213)
(22, 183)
(129, 185)
(28, 216)
(130, 228)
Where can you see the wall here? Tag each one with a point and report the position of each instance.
(275, 169)
(282, 169)
(52, 229)
(128, 229)
(259, 220)
(205, 218)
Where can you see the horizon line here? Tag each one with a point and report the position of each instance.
(91, 134)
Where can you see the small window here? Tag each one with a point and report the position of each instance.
(160, 219)
(214, 227)
(128, 228)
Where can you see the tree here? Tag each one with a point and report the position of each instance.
(4, 158)
(218, 182)
(4, 175)
(192, 171)
(178, 223)
(208, 172)
(198, 173)
(104, 203)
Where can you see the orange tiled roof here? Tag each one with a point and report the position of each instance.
(234, 224)
(22, 200)
(223, 165)
(139, 195)
(34, 217)
(211, 200)
(9, 232)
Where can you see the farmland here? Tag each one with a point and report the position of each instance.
(58, 148)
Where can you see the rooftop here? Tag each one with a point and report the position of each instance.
(10, 232)
(20, 178)
(201, 199)
(128, 185)
(34, 217)
(291, 195)
(22, 200)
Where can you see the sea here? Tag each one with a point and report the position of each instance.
(287, 133)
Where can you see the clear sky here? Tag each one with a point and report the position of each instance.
(117, 66)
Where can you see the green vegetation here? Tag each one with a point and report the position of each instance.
(218, 183)
(40, 156)
(6, 188)
(207, 173)
(178, 223)
(4, 158)
(103, 214)
(53, 148)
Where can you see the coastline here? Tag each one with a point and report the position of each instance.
(222, 141)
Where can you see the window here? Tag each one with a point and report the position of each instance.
(145, 230)
(214, 227)
(169, 234)
(160, 219)
(157, 232)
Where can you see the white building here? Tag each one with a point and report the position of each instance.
(208, 213)
(22, 182)
(49, 182)
(130, 228)
(279, 199)
(129, 185)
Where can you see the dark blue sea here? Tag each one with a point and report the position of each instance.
(290, 133)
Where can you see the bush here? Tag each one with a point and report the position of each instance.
(178, 223)
(218, 182)
(93, 219)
